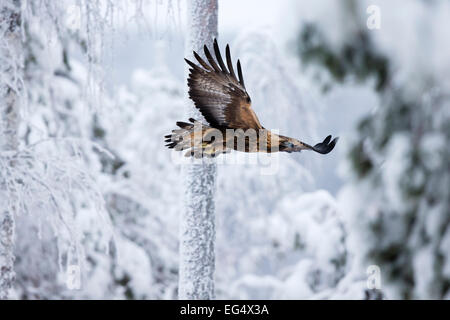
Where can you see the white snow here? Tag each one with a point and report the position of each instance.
(94, 187)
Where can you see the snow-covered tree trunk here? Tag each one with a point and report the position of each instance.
(10, 66)
(197, 222)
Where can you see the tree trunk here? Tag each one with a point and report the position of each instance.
(10, 66)
(197, 223)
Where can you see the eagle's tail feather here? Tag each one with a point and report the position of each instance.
(190, 137)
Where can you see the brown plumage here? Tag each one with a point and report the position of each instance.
(223, 101)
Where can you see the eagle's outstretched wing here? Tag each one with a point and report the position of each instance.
(218, 94)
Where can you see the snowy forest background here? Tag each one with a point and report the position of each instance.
(85, 180)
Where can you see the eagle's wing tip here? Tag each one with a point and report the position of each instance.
(326, 146)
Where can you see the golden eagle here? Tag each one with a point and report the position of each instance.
(222, 99)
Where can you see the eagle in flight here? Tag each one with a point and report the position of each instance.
(222, 99)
